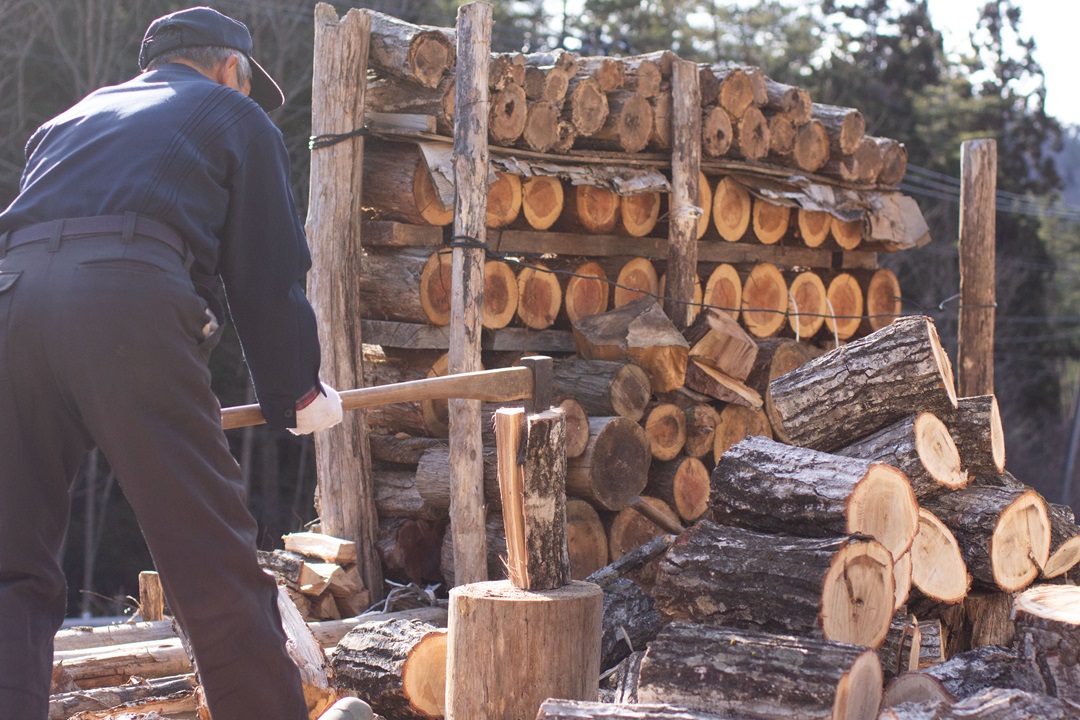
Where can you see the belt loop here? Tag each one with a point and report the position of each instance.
(57, 233)
(4, 237)
(127, 233)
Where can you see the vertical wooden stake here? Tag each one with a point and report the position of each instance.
(467, 292)
(685, 170)
(151, 597)
(344, 498)
(978, 208)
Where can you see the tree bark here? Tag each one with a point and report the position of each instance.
(581, 710)
(975, 671)
(614, 467)
(682, 483)
(1064, 541)
(900, 652)
(630, 621)
(603, 387)
(432, 479)
(976, 427)
(845, 126)
(931, 643)
(390, 95)
(1048, 636)
(620, 686)
(405, 286)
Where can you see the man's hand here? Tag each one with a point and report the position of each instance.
(323, 411)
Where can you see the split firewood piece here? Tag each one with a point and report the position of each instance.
(902, 580)
(539, 296)
(732, 209)
(590, 209)
(883, 300)
(1004, 533)
(863, 386)
(406, 286)
(808, 304)
(621, 684)
(629, 529)
(151, 596)
(750, 132)
(766, 486)
(814, 226)
(975, 671)
(717, 133)
(1064, 541)
(503, 200)
(719, 342)
(845, 126)
(931, 642)
(1048, 636)
(400, 187)
(432, 478)
(541, 201)
(764, 300)
(603, 387)
(585, 538)
(546, 84)
(117, 664)
(68, 704)
(398, 666)
(921, 447)
(326, 547)
(794, 101)
(390, 96)
(848, 234)
(628, 124)
(507, 114)
(840, 589)
(893, 161)
(587, 291)
(665, 426)
(308, 655)
(738, 673)
(317, 578)
(900, 651)
(500, 295)
(781, 135)
(844, 299)
(976, 427)
(415, 52)
(708, 381)
(683, 484)
(409, 549)
(938, 568)
(532, 480)
(811, 150)
(639, 213)
(641, 332)
(586, 105)
(723, 290)
(506, 69)
(770, 221)
(637, 279)
(614, 467)
(735, 423)
(496, 550)
(736, 89)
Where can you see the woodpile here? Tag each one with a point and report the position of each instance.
(319, 574)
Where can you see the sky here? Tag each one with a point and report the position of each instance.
(1051, 23)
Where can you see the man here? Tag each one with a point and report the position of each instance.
(132, 204)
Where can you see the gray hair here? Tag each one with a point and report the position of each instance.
(206, 57)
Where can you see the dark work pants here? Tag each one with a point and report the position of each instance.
(100, 344)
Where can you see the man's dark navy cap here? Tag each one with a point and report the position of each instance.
(206, 27)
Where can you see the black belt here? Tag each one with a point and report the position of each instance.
(128, 226)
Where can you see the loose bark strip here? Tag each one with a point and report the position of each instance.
(749, 674)
(541, 201)
(414, 52)
(863, 386)
(811, 146)
(731, 209)
(683, 484)
(639, 213)
(723, 290)
(630, 529)
(814, 226)
(845, 301)
(614, 467)
(717, 133)
(400, 187)
(634, 564)
(735, 423)
(883, 300)
(590, 209)
(845, 126)
(539, 296)
(920, 447)
(637, 279)
(751, 131)
(1048, 636)
(770, 221)
(503, 200)
(837, 588)
(763, 485)
(665, 426)
(585, 538)
(976, 427)
(603, 387)
(808, 310)
(938, 568)
(900, 652)
(1004, 534)
(1064, 541)
(587, 291)
(764, 300)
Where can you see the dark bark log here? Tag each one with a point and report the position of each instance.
(626, 710)
(980, 669)
(403, 450)
(634, 564)
(614, 467)
(415, 52)
(390, 95)
(396, 496)
(845, 126)
(603, 387)
(900, 651)
(410, 549)
(1048, 636)
(630, 621)
(975, 425)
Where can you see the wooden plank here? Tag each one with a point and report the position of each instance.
(467, 516)
(342, 456)
(682, 248)
(978, 186)
(384, 233)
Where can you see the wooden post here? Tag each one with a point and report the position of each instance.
(978, 186)
(685, 171)
(345, 499)
(466, 304)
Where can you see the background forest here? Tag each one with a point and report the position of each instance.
(881, 56)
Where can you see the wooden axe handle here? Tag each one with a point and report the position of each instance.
(502, 385)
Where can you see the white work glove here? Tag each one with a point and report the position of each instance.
(322, 412)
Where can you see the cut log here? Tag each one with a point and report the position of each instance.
(628, 124)
(630, 621)
(848, 234)
(541, 201)
(1004, 533)
(539, 296)
(637, 279)
(938, 568)
(719, 342)
(603, 387)
(559, 58)
(646, 73)
(770, 221)
(863, 386)
(541, 129)
(764, 300)
(766, 486)
(409, 549)
(397, 666)
(586, 105)
(116, 665)
(567, 136)
(415, 52)
(736, 89)
(794, 101)
(83, 637)
(735, 423)
(546, 84)
(586, 538)
(845, 126)
(661, 136)
(683, 484)
(749, 674)
(629, 529)
(496, 551)
(608, 71)
(391, 96)
(976, 427)
(808, 301)
(919, 446)
(503, 200)
(587, 291)
(893, 162)
(717, 133)
(406, 286)
(693, 309)
(900, 652)
(432, 478)
(396, 496)
(715, 384)
(751, 134)
(883, 299)
(781, 135)
(399, 186)
(665, 426)
(1064, 541)
(975, 671)
(731, 209)
(776, 357)
(811, 146)
(68, 704)
(702, 420)
(542, 644)
(723, 290)
(931, 643)
(814, 226)
(844, 299)
(500, 295)
(590, 209)
(507, 115)
(840, 589)
(638, 331)
(869, 159)
(614, 467)
(436, 412)
(506, 69)
(639, 213)
(1048, 636)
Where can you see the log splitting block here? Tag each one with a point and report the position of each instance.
(532, 382)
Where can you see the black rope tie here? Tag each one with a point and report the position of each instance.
(316, 142)
(467, 241)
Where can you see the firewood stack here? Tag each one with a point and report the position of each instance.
(319, 574)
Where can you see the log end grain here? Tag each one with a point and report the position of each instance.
(500, 295)
(423, 677)
(764, 300)
(1064, 558)
(808, 307)
(541, 201)
(586, 538)
(902, 580)
(844, 299)
(938, 452)
(639, 213)
(723, 290)
(1020, 543)
(503, 200)
(731, 211)
(858, 695)
(637, 278)
(814, 226)
(539, 296)
(771, 221)
(435, 282)
(938, 567)
(883, 300)
(577, 426)
(691, 489)
(630, 391)
(857, 595)
(587, 291)
(883, 506)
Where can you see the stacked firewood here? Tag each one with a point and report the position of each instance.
(319, 574)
